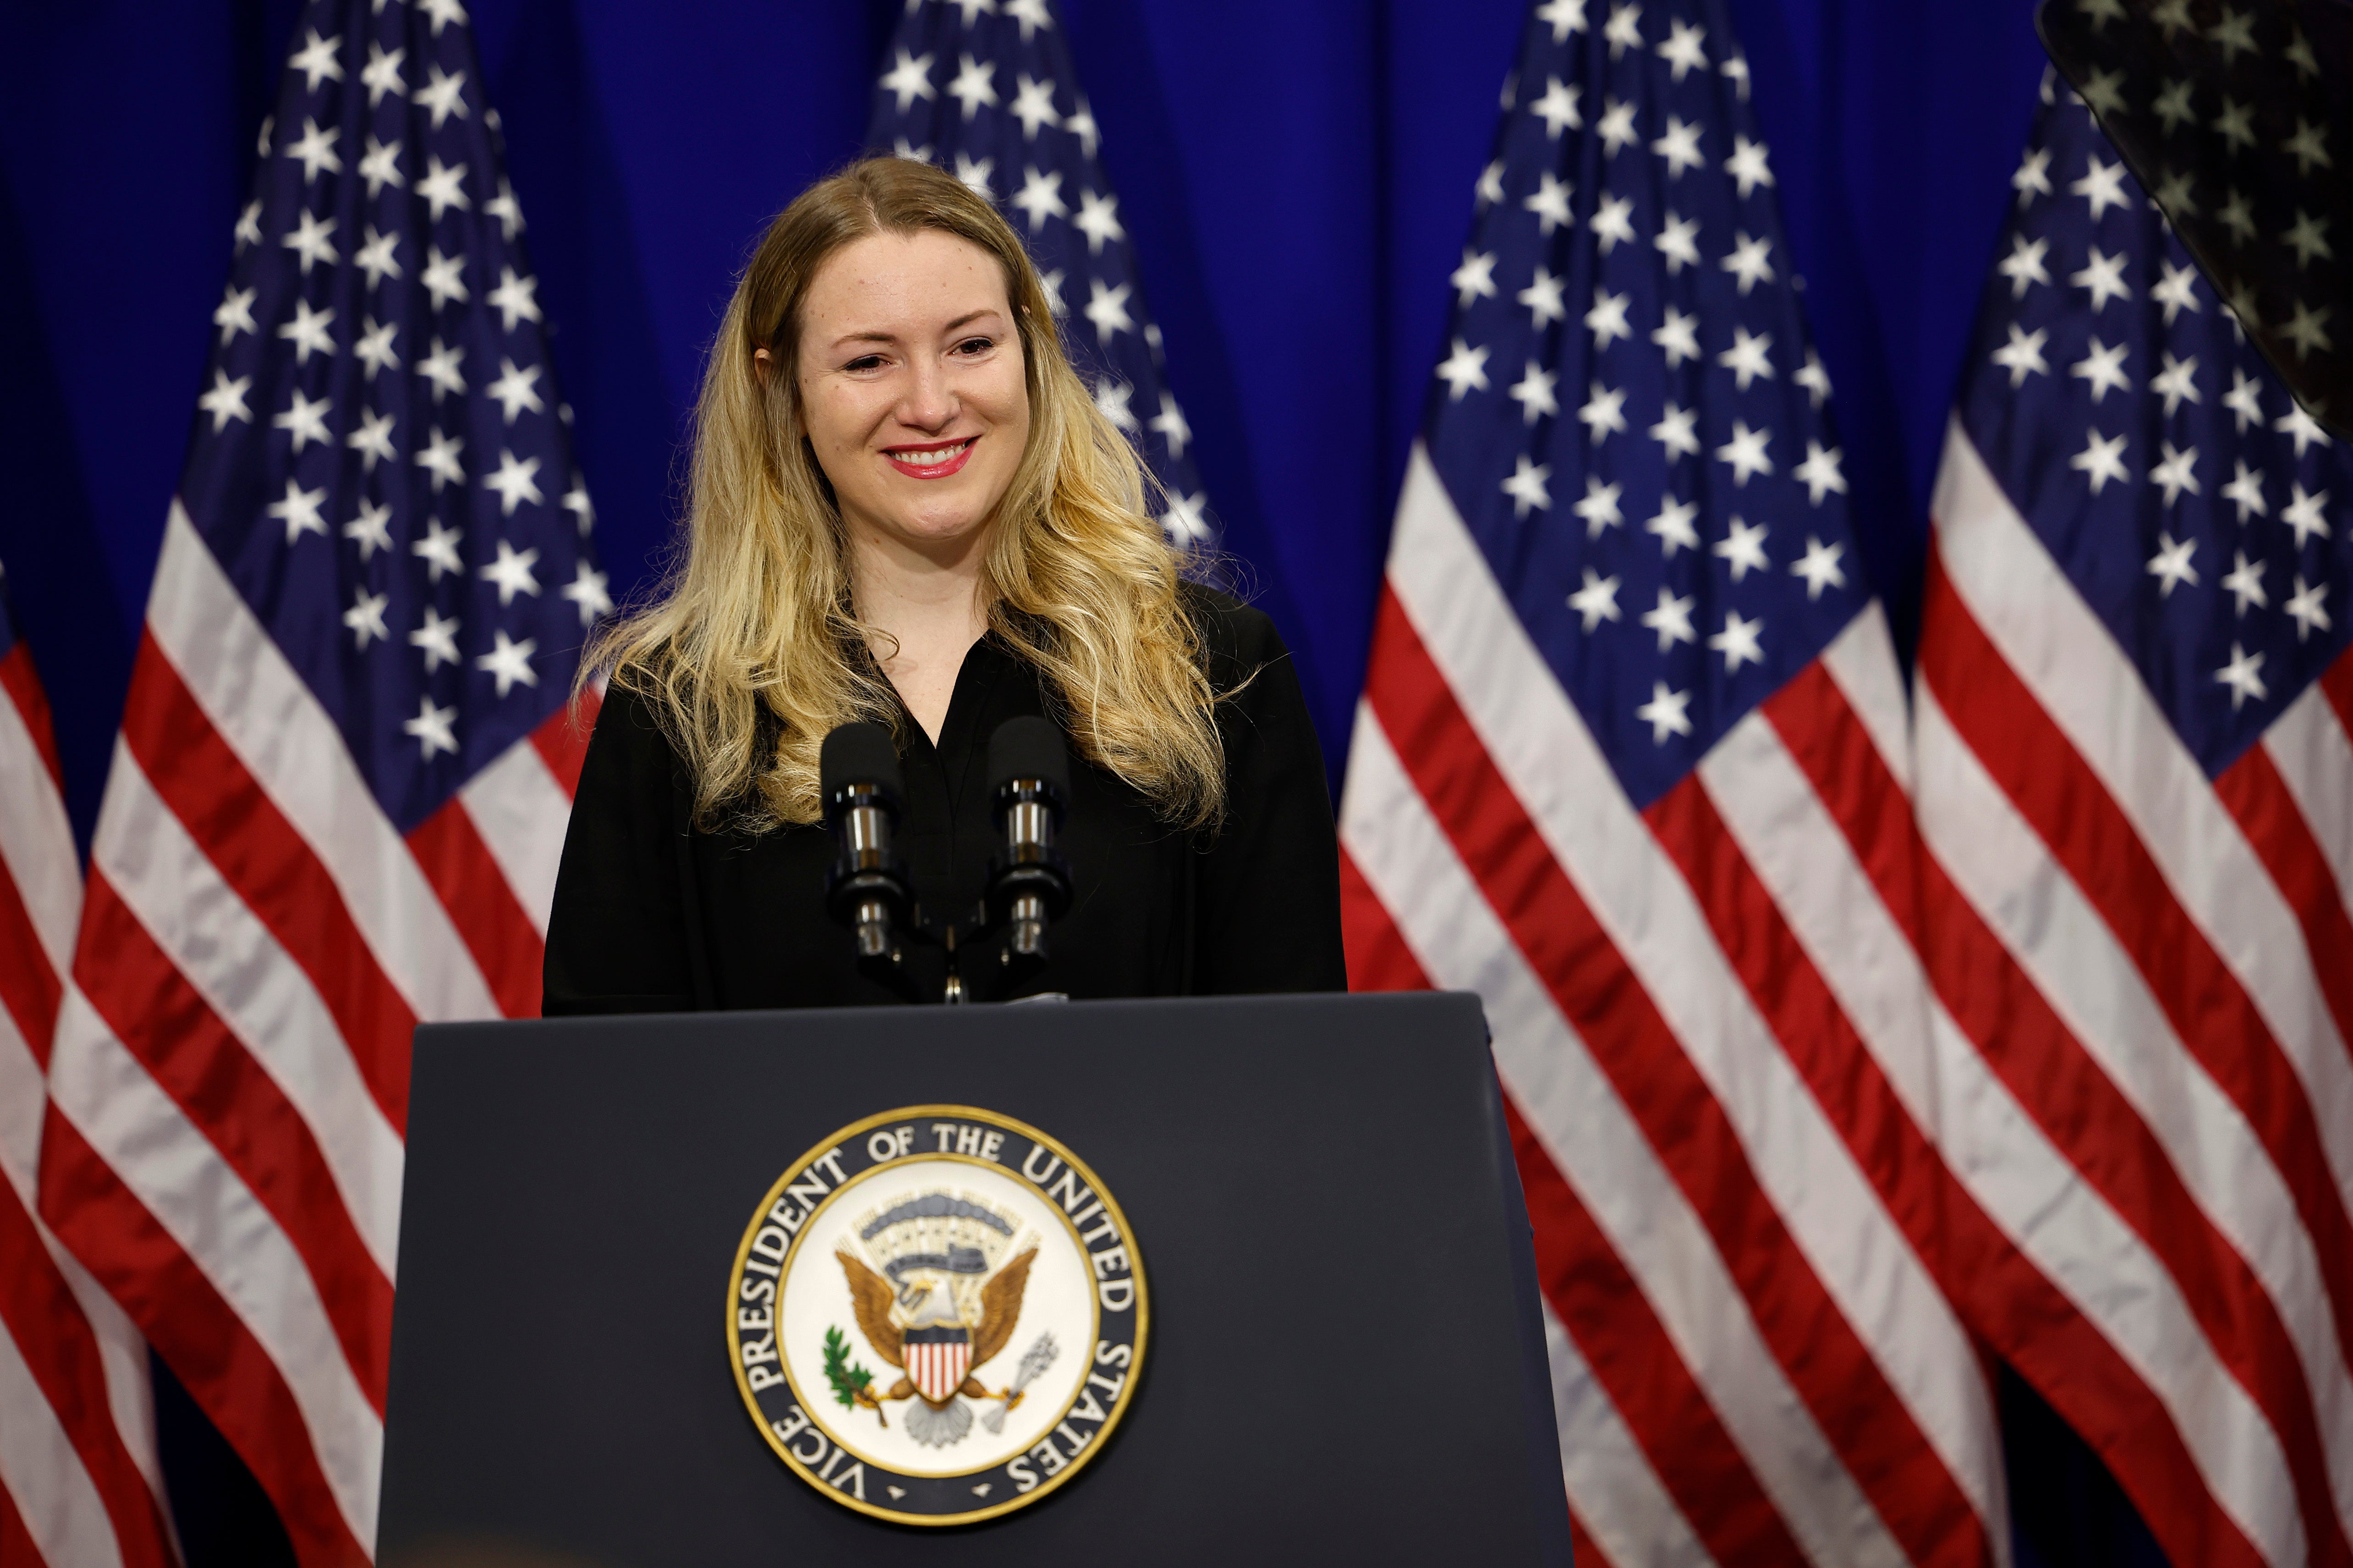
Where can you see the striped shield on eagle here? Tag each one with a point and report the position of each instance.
(936, 1359)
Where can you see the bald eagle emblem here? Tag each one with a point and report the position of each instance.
(938, 1296)
(937, 1315)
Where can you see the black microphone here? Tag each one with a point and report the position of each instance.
(865, 797)
(1029, 885)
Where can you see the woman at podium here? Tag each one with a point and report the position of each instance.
(905, 508)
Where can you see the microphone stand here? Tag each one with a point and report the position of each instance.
(868, 889)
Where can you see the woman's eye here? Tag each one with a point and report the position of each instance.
(973, 345)
(865, 362)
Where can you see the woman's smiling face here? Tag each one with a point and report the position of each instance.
(911, 388)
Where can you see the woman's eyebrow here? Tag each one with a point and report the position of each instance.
(962, 321)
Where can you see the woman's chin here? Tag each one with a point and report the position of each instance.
(930, 530)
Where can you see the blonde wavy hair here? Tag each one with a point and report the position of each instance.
(752, 649)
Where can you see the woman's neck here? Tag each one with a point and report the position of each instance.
(928, 605)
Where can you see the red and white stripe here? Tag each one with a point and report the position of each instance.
(936, 1368)
(1722, 1070)
(231, 1077)
(79, 1483)
(2159, 969)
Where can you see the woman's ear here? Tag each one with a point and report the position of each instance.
(763, 361)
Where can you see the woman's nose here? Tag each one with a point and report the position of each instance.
(929, 403)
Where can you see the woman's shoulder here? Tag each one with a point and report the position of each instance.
(627, 706)
(630, 726)
(1239, 638)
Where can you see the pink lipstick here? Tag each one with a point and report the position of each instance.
(931, 463)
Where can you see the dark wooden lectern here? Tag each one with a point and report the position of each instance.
(1347, 1359)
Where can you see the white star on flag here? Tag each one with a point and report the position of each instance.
(308, 331)
(1741, 548)
(509, 662)
(1667, 713)
(432, 728)
(442, 94)
(1671, 619)
(1819, 472)
(1464, 370)
(1746, 452)
(1597, 601)
(2244, 676)
(1737, 642)
(514, 484)
(514, 299)
(1533, 393)
(513, 390)
(909, 80)
(443, 187)
(1678, 335)
(371, 528)
(374, 348)
(1526, 487)
(226, 401)
(313, 240)
(511, 574)
(587, 589)
(376, 258)
(439, 459)
(1040, 197)
(1599, 508)
(439, 550)
(315, 150)
(1677, 430)
(316, 60)
(364, 618)
(1820, 566)
(298, 509)
(304, 420)
(1107, 308)
(437, 637)
(2170, 565)
(1602, 413)
(234, 315)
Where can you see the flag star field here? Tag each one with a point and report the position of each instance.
(1629, 418)
(989, 92)
(380, 459)
(2198, 510)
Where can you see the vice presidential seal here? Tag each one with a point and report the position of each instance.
(937, 1315)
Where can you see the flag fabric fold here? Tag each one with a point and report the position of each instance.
(78, 1482)
(2132, 704)
(990, 93)
(1631, 762)
(346, 765)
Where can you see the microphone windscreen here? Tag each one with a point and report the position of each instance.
(1029, 747)
(860, 754)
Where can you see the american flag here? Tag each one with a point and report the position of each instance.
(1623, 766)
(78, 1483)
(985, 89)
(2132, 711)
(340, 792)
(2232, 117)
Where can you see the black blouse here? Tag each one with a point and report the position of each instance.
(653, 915)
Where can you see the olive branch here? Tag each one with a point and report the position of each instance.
(848, 1381)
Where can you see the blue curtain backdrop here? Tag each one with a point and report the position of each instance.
(1297, 175)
